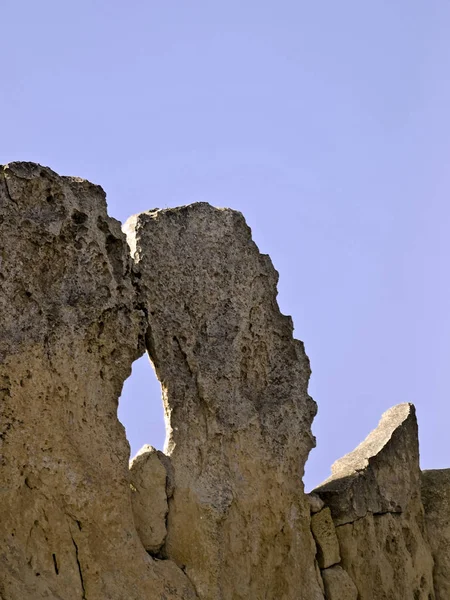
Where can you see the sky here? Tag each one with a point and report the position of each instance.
(326, 123)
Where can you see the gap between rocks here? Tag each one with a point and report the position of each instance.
(140, 409)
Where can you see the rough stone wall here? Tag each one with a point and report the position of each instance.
(238, 412)
(69, 333)
(436, 500)
(224, 517)
(374, 494)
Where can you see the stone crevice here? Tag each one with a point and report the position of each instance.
(80, 570)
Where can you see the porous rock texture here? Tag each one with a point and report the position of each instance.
(224, 517)
(374, 494)
(69, 333)
(338, 585)
(324, 533)
(150, 489)
(436, 500)
(236, 402)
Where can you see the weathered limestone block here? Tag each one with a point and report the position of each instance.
(387, 556)
(436, 500)
(324, 533)
(338, 585)
(315, 503)
(375, 500)
(148, 477)
(237, 407)
(69, 334)
(381, 475)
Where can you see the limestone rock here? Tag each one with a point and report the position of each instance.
(237, 407)
(315, 503)
(324, 533)
(387, 556)
(436, 500)
(70, 332)
(381, 474)
(338, 585)
(225, 515)
(375, 500)
(148, 477)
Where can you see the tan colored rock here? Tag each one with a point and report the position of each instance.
(148, 478)
(338, 585)
(375, 500)
(387, 556)
(381, 474)
(315, 503)
(319, 577)
(70, 332)
(436, 500)
(76, 522)
(324, 533)
(237, 407)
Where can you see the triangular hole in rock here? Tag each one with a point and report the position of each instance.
(140, 407)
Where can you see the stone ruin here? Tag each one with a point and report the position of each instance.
(222, 514)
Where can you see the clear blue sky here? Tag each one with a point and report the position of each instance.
(326, 123)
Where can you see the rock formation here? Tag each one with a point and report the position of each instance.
(324, 533)
(235, 394)
(70, 332)
(151, 476)
(374, 494)
(221, 515)
(436, 499)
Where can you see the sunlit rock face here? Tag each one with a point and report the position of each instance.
(374, 494)
(235, 386)
(70, 332)
(222, 514)
(151, 487)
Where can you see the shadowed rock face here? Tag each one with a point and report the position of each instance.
(237, 408)
(436, 500)
(70, 331)
(375, 500)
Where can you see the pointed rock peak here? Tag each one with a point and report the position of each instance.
(382, 474)
(395, 423)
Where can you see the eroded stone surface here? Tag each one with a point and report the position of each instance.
(375, 500)
(315, 503)
(381, 474)
(235, 392)
(148, 477)
(387, 556)
(436, 500)
(324, 533)
(338, 585)
(70, 331)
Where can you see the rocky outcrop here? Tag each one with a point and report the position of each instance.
(70, 332)
(151, 487)
(237, 407)
(324, 533)
(436, 500)
(224, 517)
(375, 500)
(338, 585)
